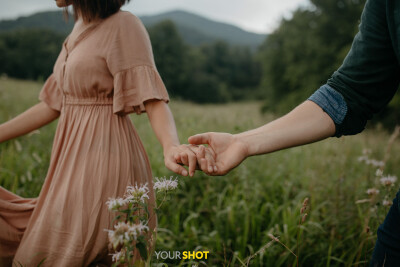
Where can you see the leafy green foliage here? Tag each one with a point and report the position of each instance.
(211, 73)
(306, 49)
(29, 54)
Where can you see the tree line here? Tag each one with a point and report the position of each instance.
(210, 73)
(305, 50)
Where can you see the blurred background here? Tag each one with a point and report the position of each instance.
(208, 52)
(229, 65)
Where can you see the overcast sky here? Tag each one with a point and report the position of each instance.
(254, 15)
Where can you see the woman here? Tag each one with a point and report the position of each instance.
(105, 71)
(361, 87)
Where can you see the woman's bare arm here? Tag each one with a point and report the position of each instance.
(163, 125)
(32, 119)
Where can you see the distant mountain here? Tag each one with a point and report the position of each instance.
(195, 30)
(51, 20)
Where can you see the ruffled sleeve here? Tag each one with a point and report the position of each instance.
(130, 61)
(136, 85)
(51, 94)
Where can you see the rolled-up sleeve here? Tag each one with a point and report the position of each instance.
(368, 77)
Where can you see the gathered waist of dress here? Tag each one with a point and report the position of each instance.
(87, 101)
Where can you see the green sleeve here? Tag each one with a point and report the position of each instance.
(370, 73)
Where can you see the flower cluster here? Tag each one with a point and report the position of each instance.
(373, 162)
(137, 194)
(365, 158)
(389, 180)
(131, 230)
(134, 194)
(125, 233)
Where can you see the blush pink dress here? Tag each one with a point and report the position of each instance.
(107, 72)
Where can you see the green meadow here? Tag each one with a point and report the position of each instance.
(233, 217)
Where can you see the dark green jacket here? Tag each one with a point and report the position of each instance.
(370, 73)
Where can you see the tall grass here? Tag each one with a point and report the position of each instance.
(233, 216)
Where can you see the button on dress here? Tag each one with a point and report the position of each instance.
(101, 76)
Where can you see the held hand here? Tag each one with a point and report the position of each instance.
(176, 155)
(205, 159)
(227, 149)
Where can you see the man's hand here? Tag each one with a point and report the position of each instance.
(226, 149)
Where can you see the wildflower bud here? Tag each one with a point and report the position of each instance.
(372, 192)
(305, 202)
(304, 218)
(302, 210)
(387, 203)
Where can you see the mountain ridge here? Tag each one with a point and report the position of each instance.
(194, 29)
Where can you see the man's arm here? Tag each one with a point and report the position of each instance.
(362, 86)
(305, 124)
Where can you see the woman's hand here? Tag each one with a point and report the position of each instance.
(163, 124)
(180, 154)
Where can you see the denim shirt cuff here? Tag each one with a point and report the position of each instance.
(332, 102)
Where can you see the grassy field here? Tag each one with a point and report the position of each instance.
(233, 216)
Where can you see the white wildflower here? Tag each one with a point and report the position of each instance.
(387, 203)
(136, 194)
(375, 163)
(379, 172)
(125, 233)
(163, 184)
(388, 180)
(116, 257)
(119, 235)
(138, 229)
(363, 158)
(116, 203)
(372, 192)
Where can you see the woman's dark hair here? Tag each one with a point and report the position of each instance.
(95, 9)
